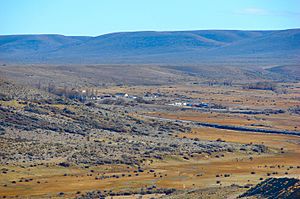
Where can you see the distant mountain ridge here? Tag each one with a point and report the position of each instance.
(149, 47)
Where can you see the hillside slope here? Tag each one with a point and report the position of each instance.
(178, 47)
(275, 188)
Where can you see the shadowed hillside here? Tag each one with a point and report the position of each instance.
(181, 47)
(275, 188)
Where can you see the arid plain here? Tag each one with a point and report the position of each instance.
(177, 138)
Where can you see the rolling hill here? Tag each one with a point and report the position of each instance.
(217, 47)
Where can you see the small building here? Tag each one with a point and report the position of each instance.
(132, 97)
(179, 104)
(121, 95)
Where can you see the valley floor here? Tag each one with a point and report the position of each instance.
(53, 147)
(173, 172)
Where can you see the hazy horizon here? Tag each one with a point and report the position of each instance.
(133, 31)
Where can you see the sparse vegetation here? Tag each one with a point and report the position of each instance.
(54, 139)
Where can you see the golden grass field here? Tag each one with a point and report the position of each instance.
(200, 171)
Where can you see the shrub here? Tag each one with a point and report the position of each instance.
(64, 164)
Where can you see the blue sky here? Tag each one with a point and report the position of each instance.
(96, 17)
